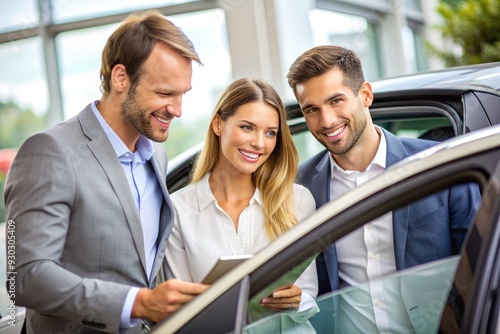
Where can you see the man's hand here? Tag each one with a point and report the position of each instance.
(284, 298)
(158, 303)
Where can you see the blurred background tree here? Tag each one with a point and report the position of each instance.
(17, 124)
(473, 26)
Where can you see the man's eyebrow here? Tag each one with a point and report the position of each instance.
(333, 97)
(328, 99)
(307, 106)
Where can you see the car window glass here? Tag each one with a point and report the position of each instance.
(424, 291)
(431, 128)
(417, 295)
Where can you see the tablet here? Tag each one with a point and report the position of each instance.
(223, 265)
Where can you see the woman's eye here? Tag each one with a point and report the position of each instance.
(271, 133)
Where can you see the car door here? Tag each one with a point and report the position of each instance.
(473, 158)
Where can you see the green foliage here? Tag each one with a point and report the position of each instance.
(17, 124)
(453, 3)
(473, 25)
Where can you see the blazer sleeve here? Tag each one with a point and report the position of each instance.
(39, 196)
(464, 202)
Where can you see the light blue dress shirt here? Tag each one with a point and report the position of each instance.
(147, 195)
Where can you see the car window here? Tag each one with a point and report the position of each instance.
(431, 128)
(427, 122)
(424, 291)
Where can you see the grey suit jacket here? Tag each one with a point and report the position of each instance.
(79, 240)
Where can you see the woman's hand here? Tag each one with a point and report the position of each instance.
(285, 298)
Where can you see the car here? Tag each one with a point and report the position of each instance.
(435, 105)
(440, 105)
(455, 294)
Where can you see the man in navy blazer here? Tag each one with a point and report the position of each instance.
(329, 85)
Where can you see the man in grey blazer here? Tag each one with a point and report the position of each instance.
(88, 197)
(329, 85)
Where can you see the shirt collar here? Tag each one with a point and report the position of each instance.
(379, 158)
(144, 145)
(205, 196)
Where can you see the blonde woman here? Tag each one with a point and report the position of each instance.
(242, 194)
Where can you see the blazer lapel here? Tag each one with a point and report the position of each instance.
(400, 217)
(104, 153)
(320, 185)
(166, 215)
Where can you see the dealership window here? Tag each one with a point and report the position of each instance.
(23, 99)
(72, 10)
(207, 30)
(349, 31)
(414, 40)
(23, 91)
(79, 57)
(19, 14)
(413, 5)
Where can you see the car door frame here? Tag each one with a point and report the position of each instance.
(405, 188)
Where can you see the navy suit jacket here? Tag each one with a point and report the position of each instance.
(426, 230)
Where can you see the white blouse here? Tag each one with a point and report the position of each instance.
(203, 232)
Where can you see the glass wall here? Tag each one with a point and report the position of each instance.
(79, 58)
(24, 86)
(73, 33)
(74, 10)
(207, 30)
(19, 14)
(349, 31)
(23, 99)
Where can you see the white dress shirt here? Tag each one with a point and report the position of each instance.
(202, 232)
(365, 255)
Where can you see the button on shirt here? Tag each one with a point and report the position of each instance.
(365, 255)
(147, 195)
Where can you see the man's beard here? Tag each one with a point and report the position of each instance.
(138, 118)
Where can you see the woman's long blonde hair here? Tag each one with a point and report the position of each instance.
(276, 176)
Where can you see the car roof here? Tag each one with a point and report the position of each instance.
(452, 81)
(484, 77)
